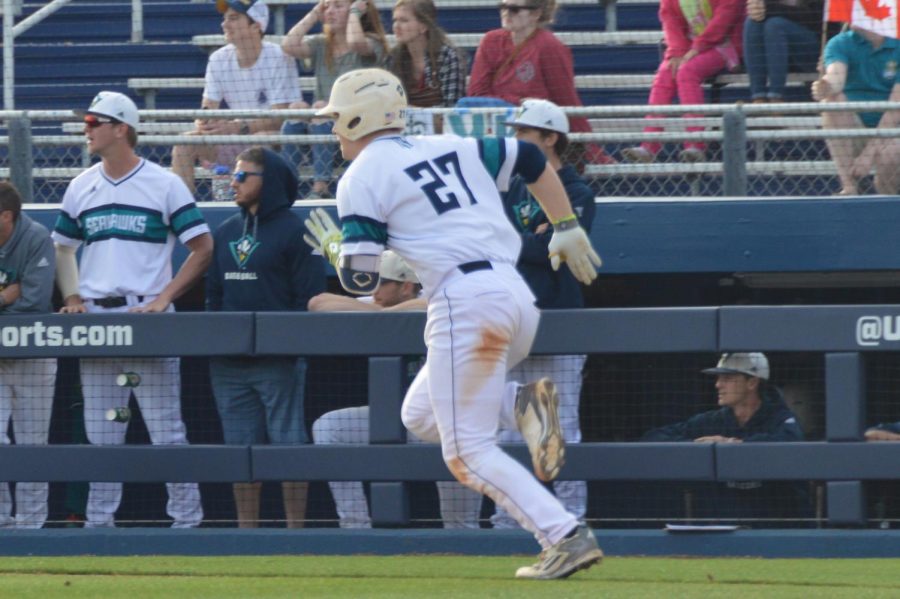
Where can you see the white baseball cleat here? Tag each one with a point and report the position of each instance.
(578, 552)
(537, 416)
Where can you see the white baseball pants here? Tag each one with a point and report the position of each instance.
(479, 326)
(26, 396)
(159, 398)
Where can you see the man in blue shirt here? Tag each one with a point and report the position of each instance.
(751, 410)
(862, 66)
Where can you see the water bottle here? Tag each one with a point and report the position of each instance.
(118, 415)
(221, 183)
(128, 379)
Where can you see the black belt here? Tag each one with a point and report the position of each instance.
(469, 267)
(114, 302)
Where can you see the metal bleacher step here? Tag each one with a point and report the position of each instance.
(470, 41)
(668, 169)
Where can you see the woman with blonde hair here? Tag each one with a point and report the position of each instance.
(352, 38)
(432, 69)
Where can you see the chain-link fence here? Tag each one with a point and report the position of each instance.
(750, 150)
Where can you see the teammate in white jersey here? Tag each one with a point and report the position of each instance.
(434, 201)
(127, 212)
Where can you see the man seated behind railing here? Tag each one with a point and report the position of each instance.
(248, 73)
(752, 410)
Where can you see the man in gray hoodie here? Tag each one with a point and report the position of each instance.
(27, 267)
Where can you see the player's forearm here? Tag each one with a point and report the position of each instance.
(331, 302)
(293, 44)
(9, 296)
(67, 274)
(551, 195)
(418, 304)
(194, 266)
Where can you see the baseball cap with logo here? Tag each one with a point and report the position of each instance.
(255, 9)
(752, 364)
(540, 114)
(395, 268)
(115, 106)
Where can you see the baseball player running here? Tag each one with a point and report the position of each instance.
(127, 212)
(434, 200)
(398, 290)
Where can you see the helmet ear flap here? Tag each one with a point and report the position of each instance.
(354, 123)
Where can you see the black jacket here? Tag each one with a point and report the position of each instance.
(261, 262)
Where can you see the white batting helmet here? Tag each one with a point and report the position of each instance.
(364, 101)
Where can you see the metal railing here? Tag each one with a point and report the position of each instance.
(750, 152)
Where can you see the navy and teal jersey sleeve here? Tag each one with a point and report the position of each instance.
(498, 155)
(68, 227)
(530, 163)
(186, 218)
(362, 229)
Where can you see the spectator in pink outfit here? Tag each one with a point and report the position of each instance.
(702, 37)
(523, 59)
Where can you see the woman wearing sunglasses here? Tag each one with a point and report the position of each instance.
(523, 59)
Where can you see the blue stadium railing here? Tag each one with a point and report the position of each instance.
(843, 333)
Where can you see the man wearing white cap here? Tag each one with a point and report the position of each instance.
(248, 73)
(127, 213)
(544, 124)
(398, 289)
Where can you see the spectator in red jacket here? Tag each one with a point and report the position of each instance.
(703, 37)
(523, 59)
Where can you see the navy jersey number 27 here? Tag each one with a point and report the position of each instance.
(428, 175)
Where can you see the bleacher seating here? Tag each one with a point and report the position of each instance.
(64, 60)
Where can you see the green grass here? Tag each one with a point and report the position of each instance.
(439, 576)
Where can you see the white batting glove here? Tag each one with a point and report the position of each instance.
(325, 236)
(573, 247)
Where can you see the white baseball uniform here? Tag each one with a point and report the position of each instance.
(128, 228)
(434, 201)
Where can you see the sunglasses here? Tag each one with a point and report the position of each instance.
(93, 121)
(512, 8)
(241, 176)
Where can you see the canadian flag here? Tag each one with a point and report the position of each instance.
(879, 16)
